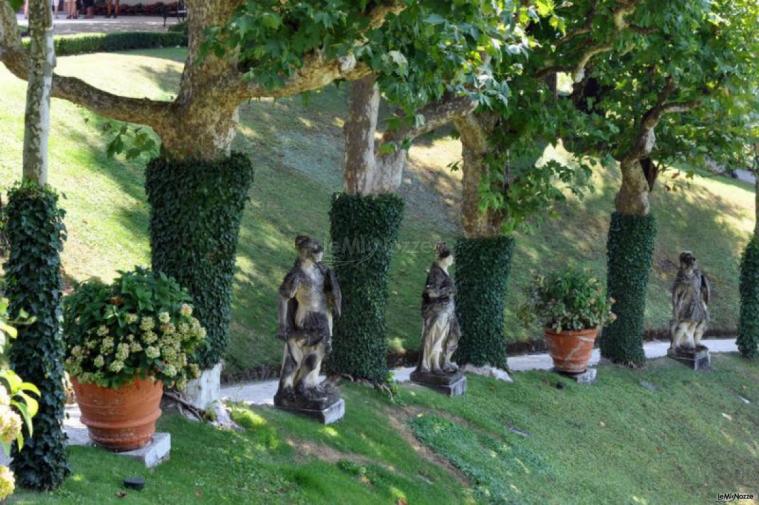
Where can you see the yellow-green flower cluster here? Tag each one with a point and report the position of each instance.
(157, 344)
(7, 482)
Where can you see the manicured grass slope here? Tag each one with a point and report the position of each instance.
(685, 441)
(296, 149)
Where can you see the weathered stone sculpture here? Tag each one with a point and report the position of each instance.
(690, 313)
(308, 298)
(440, 330)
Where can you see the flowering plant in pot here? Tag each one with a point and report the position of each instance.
(124, 342)
(572, 305)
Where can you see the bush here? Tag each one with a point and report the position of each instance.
(482, 273)
(69, 45)
(36, 233)
(139, 326)
(566, 300)
(748, 324)
(364, 230)
(630, 250)
(195, 213)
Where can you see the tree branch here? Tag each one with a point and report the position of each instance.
(435, 115)
(16, 59)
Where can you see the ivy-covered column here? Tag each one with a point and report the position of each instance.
(482, 273)
(630, 250)
(35, 234)
(364, 231)
(748, 324)
(195, 213)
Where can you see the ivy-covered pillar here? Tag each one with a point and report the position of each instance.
(483, 265)
(630, 249)
(748, 323)
(364, 231)
(196, 208)
(35, 233)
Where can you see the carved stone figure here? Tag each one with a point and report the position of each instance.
(440, 329)
(308, 298)
(690, 311)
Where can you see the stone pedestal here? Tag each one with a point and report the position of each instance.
(589, 376)
(204, 390)
(327, 411)
(152, 455)
(696, 359)
(448, 384)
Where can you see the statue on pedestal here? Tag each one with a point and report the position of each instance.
(690, 313)
(308, 298)
(440, 329)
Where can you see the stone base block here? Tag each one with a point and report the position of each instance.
(204, 390)
(696, 359)
(589, 376)
(153, 454)
(327, 415)
(449, 385)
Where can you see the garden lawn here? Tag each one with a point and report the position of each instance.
(660, 435)
(296, 149)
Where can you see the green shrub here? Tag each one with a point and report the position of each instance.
(36, 233)
(482, 273)
(69, 45)
(364, 230)
(567, 300)
(139, 326)
(195, 213)
(748, 324)
(630, 250)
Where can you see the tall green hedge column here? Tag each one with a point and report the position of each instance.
(630, 250)
(364, 231)
(482, 273)
(748, 325)
(36, 233)
(195, 213)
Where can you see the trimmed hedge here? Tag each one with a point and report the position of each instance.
(364, 230)
(483, 266)
(748, 324)
(630, 250)
(195, 213)
(69, 45)
(36, 233)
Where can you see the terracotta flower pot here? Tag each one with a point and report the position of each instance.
(571, 350)
(120, 419)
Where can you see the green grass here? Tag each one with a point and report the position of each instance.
(296, 148)
(689, 439)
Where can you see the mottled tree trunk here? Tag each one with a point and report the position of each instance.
(632, 198)
(474, 130)
(37, 116)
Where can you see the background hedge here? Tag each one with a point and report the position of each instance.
(482, 273)
(195, 213)
(364, 230)
(36, 233)
(630, 250)
(69, 45)
(748, 324)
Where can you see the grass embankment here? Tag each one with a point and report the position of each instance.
(296, 148)
(661, 435)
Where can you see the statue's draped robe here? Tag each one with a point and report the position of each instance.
(440, 332)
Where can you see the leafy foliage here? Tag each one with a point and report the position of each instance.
(748, 325)
(482, 272)
(630, 251)
(363, 230)
(36, 233)
(567, 300)
(139, 326)
(196, 208)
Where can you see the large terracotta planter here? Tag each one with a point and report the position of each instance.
(120, 419)
(571, 350)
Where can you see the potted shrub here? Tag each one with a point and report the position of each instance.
(124, 342)
(572, 305)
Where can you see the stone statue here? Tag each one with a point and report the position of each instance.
(308, 298)
(440, 329)
(690, 311)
